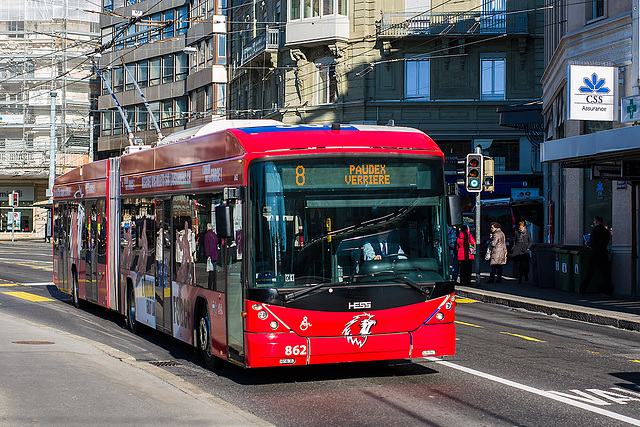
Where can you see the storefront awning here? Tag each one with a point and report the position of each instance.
(595, 148)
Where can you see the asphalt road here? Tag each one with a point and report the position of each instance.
(511, 367)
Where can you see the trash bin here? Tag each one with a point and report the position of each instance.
(563, 272)
(543, 264)
(580, 256)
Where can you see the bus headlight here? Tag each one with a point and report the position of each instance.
(448, 305)
(262, 315)
(256, 307)
(274, 325)
(440, 316)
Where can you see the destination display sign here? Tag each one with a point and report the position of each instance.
(370, 175)
(84, 190)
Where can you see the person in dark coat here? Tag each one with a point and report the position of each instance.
(598, 259)
(523, 242)
(465, 252)
(498, 253)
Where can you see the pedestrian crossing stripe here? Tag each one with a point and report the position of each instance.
(465, 300)
(28, 296)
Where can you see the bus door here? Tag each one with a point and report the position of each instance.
(163, 263)
(89, 246)
(232, 258)
(61, 238)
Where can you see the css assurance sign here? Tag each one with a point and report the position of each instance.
(592, 93)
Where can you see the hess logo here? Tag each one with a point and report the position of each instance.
(360, 305)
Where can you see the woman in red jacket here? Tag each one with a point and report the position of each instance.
(465, 251)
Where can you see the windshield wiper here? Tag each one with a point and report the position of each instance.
(297, 294)
(404, 279)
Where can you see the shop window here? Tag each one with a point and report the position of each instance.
(597, 201)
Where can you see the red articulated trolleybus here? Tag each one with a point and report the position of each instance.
(268, 245)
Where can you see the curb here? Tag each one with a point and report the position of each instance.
(601, 317)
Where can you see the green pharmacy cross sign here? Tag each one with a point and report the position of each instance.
(629, 109)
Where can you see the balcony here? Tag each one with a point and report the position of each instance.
(318, 30)
(400, 24)
(268, 41)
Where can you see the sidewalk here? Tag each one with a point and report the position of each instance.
(53, 378)
(620, 312)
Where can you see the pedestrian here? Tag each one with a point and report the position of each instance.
(498, 253)
(598, 241)
(465, 252)
(452, 236)
(523, 242)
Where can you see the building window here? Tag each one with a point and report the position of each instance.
(494, 20)
(327, 84)
(182, 66)
(17, 27)
(128, 82)
(108, 5)
(143, 73)
(222, 7)
(117, 123)
(131, 36)
(155, 34)
(154, 71)
(183, 20)
(417, 78)
(167, 114)
(492, 79)
(182, 110)
(107, 79)
(130, 114)
(106, 123)
(118, 79)
(221, 98)
(168, 31)
(222, 49)
(506, 155)
(167, 70)
(295, 10)
(595, 9)
(143, 118)
(597, 199)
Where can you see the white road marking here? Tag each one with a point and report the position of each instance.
(549, 395)
(37, 284)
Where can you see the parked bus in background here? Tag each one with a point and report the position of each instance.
(293, 210)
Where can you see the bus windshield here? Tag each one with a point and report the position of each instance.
(346, 220)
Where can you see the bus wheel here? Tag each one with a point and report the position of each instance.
(204, 338)
(77, 302)
(132, 324)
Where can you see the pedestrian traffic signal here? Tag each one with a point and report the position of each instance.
(488, 175)
(473, 173)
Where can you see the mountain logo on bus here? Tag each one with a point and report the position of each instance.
(365, 322)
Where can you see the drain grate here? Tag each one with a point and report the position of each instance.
(165, 363)
(33, 342)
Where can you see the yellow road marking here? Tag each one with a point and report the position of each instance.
(9, 285)
(592, 352)
(469, 324)
(636, 361)
(522, 336)
(465, 300)
(28, 296)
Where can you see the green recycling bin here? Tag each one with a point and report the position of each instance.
(564, 267)
(580, 256)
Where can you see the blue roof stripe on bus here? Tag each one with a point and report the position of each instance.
(294, 128)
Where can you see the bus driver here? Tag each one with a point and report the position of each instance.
(381, 247)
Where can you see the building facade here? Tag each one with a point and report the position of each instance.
(175, 50)
(442, 67)
(42, 45)
(592, 33)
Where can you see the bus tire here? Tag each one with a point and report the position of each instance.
(204, 338)
(132, 323)
(75, 298)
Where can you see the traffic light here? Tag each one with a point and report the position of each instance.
(13, 198)
(488, 176)
(473, 173)
(461, 171)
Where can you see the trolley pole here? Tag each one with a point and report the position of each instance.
(478, 150)
(52, 144)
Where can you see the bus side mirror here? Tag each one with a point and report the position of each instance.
(224, 221)
(454, 213)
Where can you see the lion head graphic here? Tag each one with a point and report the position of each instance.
(365, 321)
